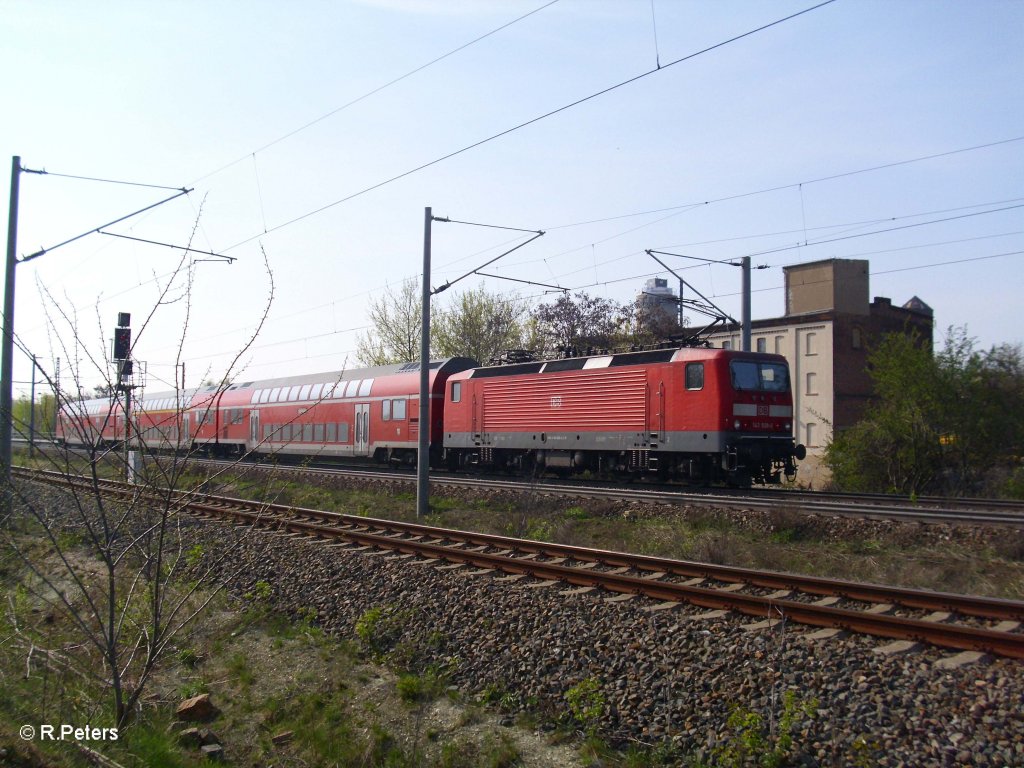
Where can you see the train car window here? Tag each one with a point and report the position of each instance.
(353, 387)
(275, 396)
(343, 432)
(398, 410)
(456, 391)
(332, 433)
(266, 431)
(304, 392)
(695, 375)
(385, 410)
(307, 433)
(315, 390)
(318, 433)
(364, 387)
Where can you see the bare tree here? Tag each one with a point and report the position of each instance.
(114, 567)
(574, 324)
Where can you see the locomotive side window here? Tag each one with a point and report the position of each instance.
(456, 391)
(695, 375)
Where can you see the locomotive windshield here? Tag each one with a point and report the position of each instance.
(766, 377)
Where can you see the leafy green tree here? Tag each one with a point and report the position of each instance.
(897, 446)
(479, 325)
(21, 412)
(939, 423)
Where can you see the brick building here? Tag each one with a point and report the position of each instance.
(826, 334)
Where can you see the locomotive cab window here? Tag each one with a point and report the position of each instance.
(385, 410)
(695, 375)
(398, 410)
(767, 377)
(456, 391)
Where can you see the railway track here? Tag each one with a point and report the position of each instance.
(861, 506)
(925, 509)
(970, 624)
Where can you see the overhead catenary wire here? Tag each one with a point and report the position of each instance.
(378, 89)
(44, 172)
(531, 121)
(792, 185)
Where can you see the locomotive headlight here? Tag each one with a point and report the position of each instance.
(789, 426)
(736, 424)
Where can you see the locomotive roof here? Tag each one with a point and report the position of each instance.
(642, 357)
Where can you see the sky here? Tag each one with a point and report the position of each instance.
(314, 134)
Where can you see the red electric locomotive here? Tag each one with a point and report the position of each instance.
(706, 414)
(709, 415)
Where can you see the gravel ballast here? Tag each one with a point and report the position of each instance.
(663, 675)
(670, 675)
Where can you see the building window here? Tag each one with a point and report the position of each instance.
(778, 344)
(726, 345)
(857, 340)
(762, 345)
(695, 375)
(812, 384)
(812, 434)
(811, 344)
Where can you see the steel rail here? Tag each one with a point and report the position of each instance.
(357, 530)
(935, 633)
(976, 512)
(979, 606)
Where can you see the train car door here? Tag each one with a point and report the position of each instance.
(361, 445)
(254, 429)
(185, 433)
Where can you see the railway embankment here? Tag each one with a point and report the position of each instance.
(655, 677)
(679, 683)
